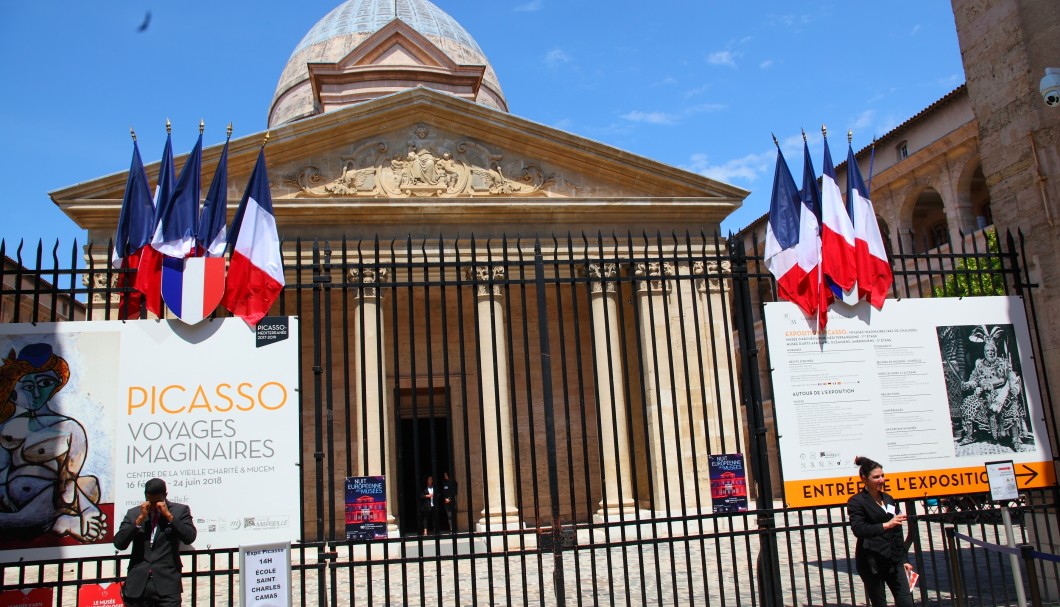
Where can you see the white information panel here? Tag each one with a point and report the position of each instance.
(931, 388)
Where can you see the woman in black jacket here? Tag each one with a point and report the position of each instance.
(881, 555)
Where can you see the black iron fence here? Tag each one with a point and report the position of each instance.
(572, 389)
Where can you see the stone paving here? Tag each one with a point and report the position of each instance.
(715, 567)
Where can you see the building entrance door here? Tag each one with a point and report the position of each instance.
(423, 450)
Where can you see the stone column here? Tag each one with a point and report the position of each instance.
(723, 435)
(617, 502)
(371, 404)
(664, 448)
(501, 511)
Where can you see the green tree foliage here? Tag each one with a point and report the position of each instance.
(976, 276)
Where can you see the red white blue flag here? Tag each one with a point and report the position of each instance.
(809, 246)
(255, 270)
(178, 217)
(149, 272)
(874, 274)
(788, 220)
(175, 238)
(837, 233)
(133, 233)
(211, 235)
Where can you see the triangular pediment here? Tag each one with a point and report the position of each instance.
(429, 159)
(395, 58)
(397, 54)
(396, 40)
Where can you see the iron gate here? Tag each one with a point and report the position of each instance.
(574, 389)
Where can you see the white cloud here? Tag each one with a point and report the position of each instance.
(746, 169)
(788, 21)
(650, 117)
(768, 63)
(556, 57)
(916, 30)
(529, 7)
(952, 81)
(696, 91)
(722, 58)
(705, 107)
(666, 118)
(863, 121)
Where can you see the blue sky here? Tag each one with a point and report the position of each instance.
(697, 84)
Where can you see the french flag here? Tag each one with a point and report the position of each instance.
(178, 216)
(192, 287)
(148, 279)
(134, 231)
(874, 274)
(788, 220)
(255, 269)
(211, 235)
(838, 263)
(809, 246)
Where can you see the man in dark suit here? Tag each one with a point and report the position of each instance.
(156, 529)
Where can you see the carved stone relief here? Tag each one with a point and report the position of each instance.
(100, 283)
(714, 271)
(429, 166)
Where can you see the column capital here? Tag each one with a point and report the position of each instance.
(369, 277)
(649, 273)
(98, 281)
(487, 279)
(601, 275)
(714, 271)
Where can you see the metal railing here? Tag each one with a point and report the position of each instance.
(573, 387)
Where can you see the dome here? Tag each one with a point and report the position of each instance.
(467, 72)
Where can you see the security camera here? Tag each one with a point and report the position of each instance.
(1050, 86)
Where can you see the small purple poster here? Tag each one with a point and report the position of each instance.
(728, 483)
(365, 508)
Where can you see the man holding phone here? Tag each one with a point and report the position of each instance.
(156, 529)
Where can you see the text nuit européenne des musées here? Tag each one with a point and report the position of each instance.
(171, 439)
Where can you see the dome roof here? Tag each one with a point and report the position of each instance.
(354, 21)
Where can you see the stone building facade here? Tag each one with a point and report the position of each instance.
(1006, 46)
(388, 122)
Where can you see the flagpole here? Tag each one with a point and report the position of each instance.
(820, 253)
(169, 127)
(228, 136)
(202, 125)
(872, 157)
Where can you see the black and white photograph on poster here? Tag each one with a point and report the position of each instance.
(985, 389)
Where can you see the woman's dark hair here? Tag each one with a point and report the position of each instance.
(867, 465)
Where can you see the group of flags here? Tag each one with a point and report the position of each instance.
(173, 250)
(819, 248)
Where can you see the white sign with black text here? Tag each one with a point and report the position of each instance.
(265, 575)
